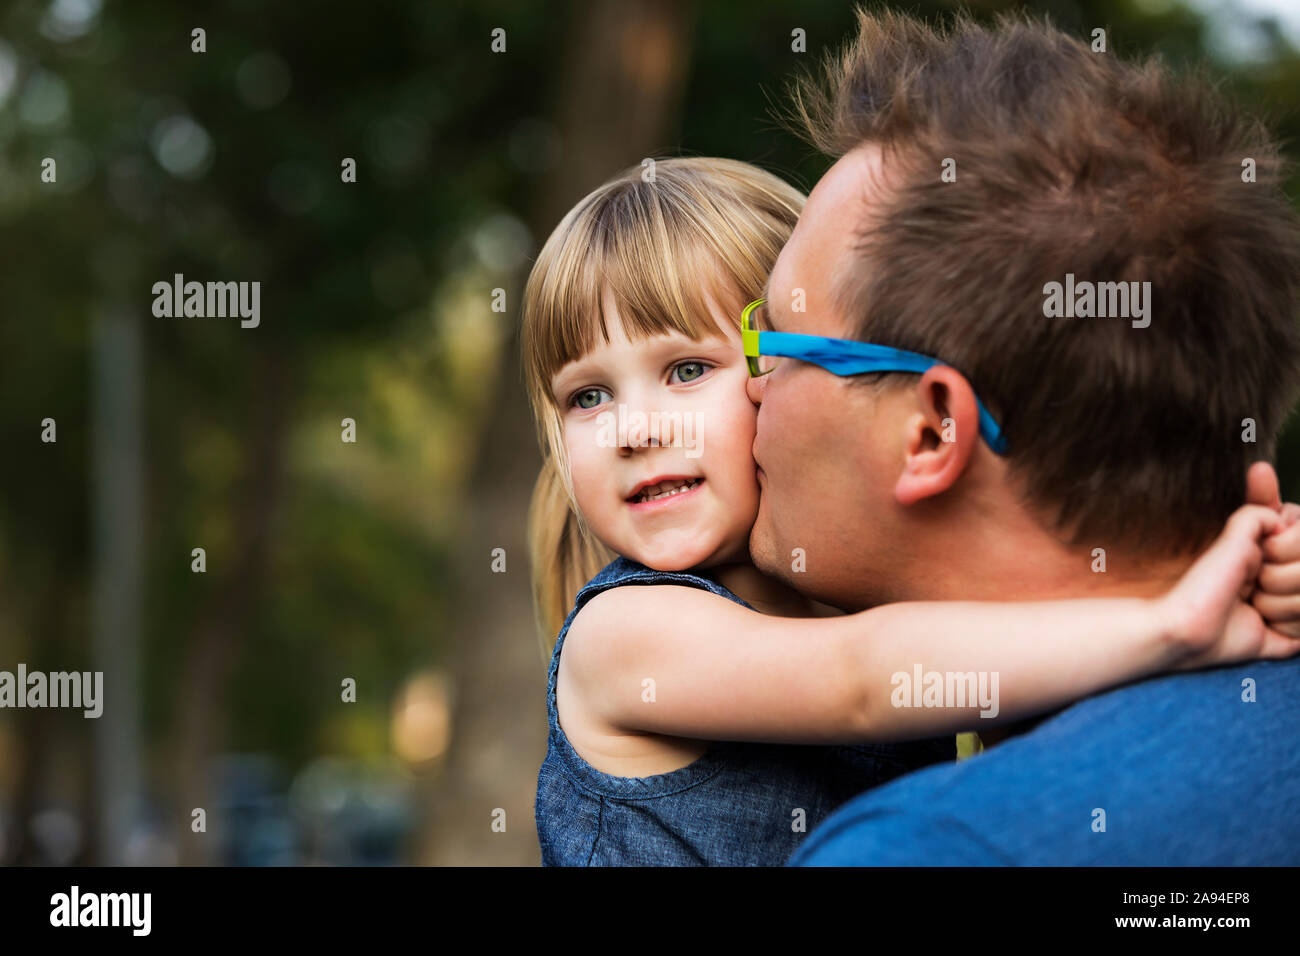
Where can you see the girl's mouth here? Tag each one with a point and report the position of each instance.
(663, 491)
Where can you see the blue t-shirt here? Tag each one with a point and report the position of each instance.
(1186, 768)
(740, 804)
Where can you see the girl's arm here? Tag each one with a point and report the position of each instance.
(684, 662)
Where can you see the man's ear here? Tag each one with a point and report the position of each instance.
(939, 435)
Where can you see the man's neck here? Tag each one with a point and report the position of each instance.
(1030, 564)
(765, 594)
(1010, 556)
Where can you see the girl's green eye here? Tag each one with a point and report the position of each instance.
(689, 371)
(589, 397)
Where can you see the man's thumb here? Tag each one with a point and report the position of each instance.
(1262, 487)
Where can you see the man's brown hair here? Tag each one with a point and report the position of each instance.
(1070, 161)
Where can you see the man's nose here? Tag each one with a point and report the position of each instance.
(754, 388)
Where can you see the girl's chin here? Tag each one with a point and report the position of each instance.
(689, 554)
(668, 562)
(667, 557)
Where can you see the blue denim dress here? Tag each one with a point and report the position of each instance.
(740, 804)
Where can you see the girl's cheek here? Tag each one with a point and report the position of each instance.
(742, 421)
(580, 437)
(579, 465)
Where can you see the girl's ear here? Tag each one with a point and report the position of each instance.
(939, 435)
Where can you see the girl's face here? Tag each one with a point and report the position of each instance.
(659, 435)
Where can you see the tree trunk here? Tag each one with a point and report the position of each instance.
(221, 631)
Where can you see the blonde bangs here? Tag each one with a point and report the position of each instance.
(703, 235)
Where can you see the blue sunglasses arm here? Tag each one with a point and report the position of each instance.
(990, 430)
(846, 357)
(842, 356)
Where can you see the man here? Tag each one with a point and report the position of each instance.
(1062, 448)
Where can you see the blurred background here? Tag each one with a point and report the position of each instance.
(328, 560)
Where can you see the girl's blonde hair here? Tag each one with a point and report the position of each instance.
(659, 242)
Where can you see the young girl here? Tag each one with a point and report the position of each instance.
(708, 714)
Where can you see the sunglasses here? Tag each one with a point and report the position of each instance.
(764, 347)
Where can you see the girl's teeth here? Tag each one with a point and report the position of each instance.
(646, 496)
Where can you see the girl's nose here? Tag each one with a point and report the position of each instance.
(642, 426)
(754, 388)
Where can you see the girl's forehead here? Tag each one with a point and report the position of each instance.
(618, 323)
(650, 349)
(619, 340)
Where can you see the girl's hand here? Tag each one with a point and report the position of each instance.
(1214, 621)
(1277, 593)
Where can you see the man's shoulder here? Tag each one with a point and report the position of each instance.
(1179, 769)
